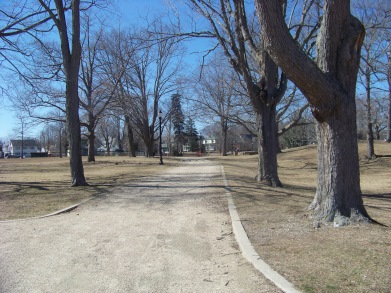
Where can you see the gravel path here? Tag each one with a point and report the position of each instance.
(170, 233)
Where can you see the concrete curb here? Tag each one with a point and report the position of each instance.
(248, 250)
(67, 209)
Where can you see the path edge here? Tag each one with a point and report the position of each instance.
(65, 210)
(248, 250)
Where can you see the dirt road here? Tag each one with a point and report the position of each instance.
(170, 233)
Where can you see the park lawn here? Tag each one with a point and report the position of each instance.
(328, 259)
(325, 259)
(38, 186)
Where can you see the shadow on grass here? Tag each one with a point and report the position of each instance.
(23, 185)
(378, 196)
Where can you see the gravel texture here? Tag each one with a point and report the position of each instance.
(169, 233)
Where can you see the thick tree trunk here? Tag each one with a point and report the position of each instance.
(371, 149)
(71, 63)
(267, 151)
(329, 86)
(388, 139)
(91, 134)
(72, 112)
(338, 196)
(107, 146)
(149, 140)
(278, 146)
(132, 151)
(91, 145)
(370, 144)
(224, 130)
(149, 149)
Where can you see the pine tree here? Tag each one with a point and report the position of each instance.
(191, 134)
(178, 121)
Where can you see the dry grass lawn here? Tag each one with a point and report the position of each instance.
(39, 186)
(346, 259)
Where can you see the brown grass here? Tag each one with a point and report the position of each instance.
(347, 259)
(39, 186)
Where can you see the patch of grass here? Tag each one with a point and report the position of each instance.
(277, 220)
(39, 186)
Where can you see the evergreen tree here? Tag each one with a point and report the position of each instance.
(191, 134)
(178, 122)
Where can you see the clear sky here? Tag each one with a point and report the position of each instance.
(125, 12)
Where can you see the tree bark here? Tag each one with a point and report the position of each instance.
(338, 196)
(71, 62)
(91, 145)
(128, 125)
(224, 131)
(388, 139)
(264, 103)
(72, 113)
(329, 86)
(149, 149)
(371, 148)
(267, 151)
(107, 146)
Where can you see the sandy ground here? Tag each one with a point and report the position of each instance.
(170, 233)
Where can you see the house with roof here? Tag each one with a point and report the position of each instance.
(17, 147)
(210, 144)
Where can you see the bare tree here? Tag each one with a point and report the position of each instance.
(29, 19)
(107, 131)
(218, 97)
(71, 55)
(98, 88)
(377, 20)
(150, 75)
(118, 46)
(238, 34)
(329, 86)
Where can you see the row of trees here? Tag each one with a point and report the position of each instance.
(302, 53)
(122, 73)
(265, 47)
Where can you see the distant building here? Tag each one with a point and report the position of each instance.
(210, 144)
(15, 147)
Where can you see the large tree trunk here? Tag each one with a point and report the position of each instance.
(329, 87)
(71, 62)
(267, 151)
(338, 196)
(72, 112)
(129, 130)
(91, 145)
(264, 103)
(371, 148)
(149, 148)
(91, 135)
(388, 139)
(107, 143)
(224, 130)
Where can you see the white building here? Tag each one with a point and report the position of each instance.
(210, 144)
(15, 147)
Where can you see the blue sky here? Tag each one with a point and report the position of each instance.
(125, 12)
